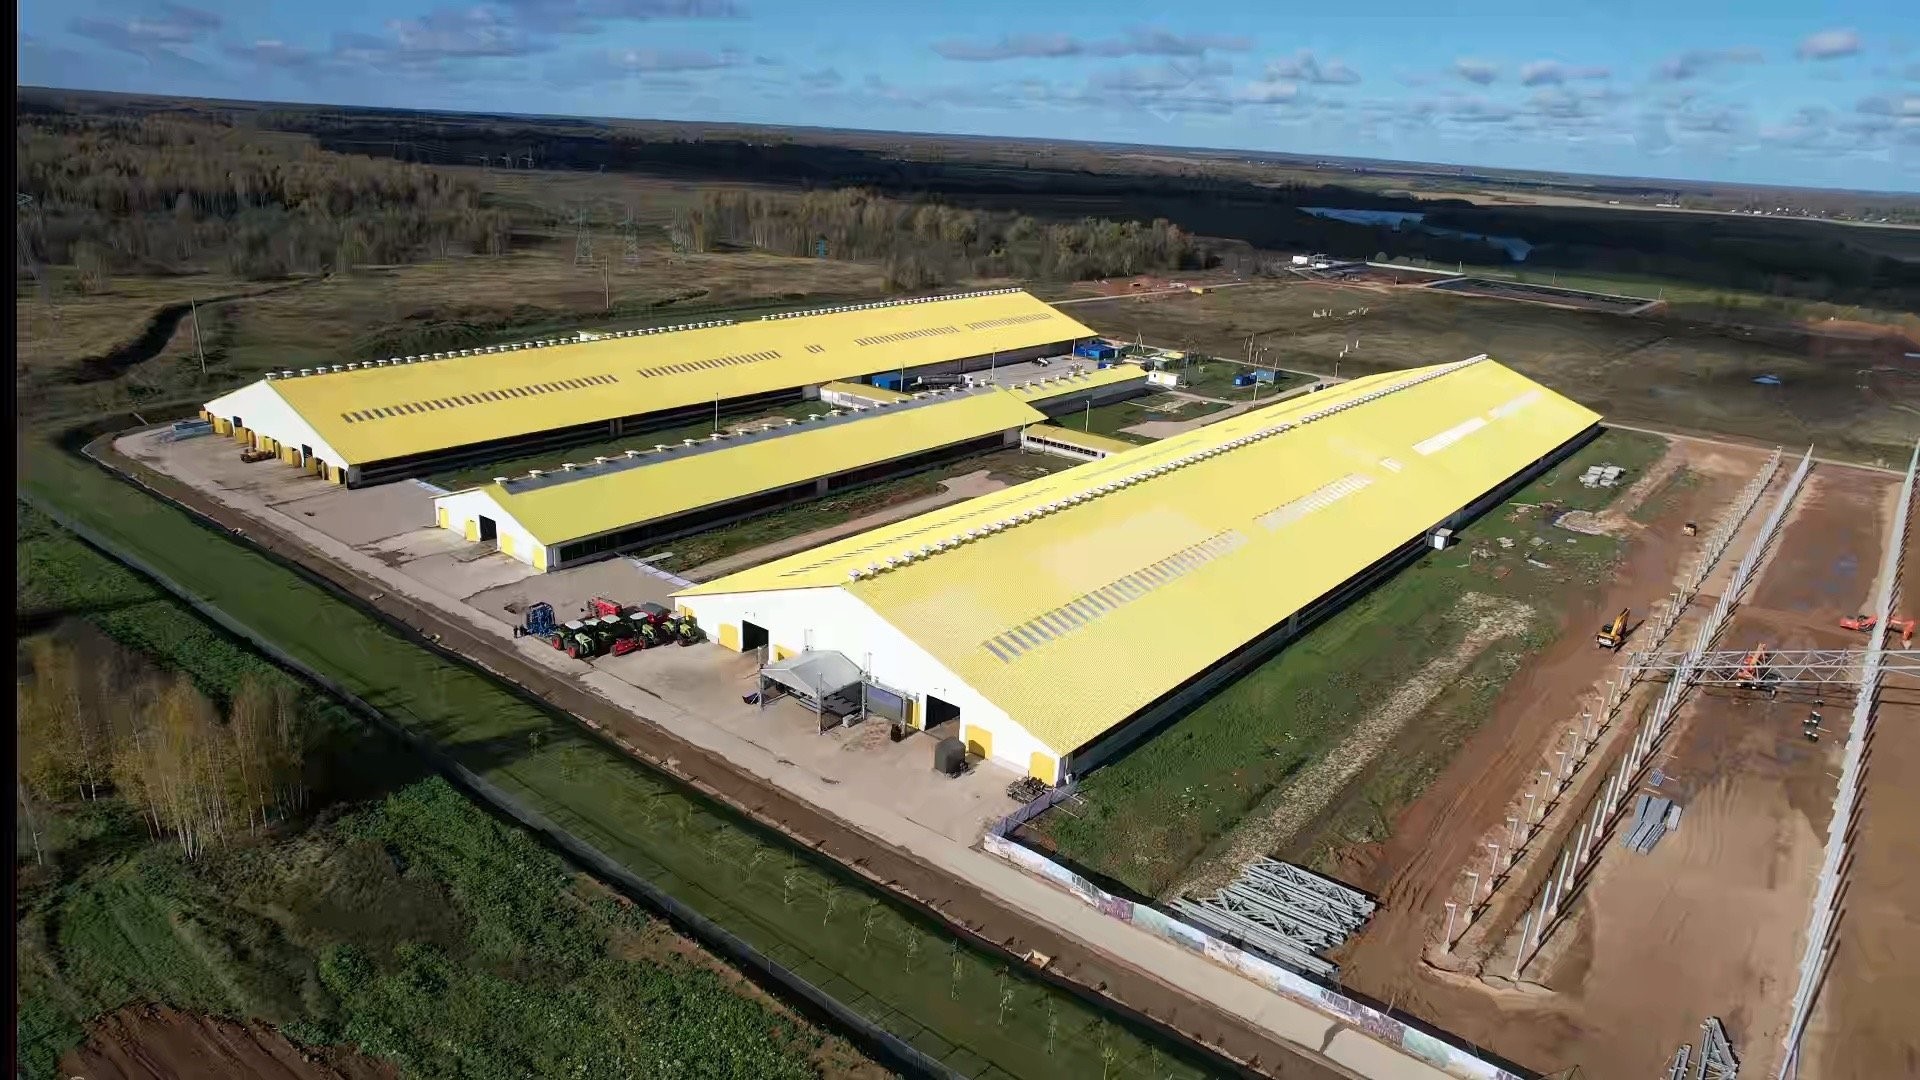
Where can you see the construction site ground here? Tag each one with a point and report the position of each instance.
(1862, 1026)
(898, 832)
(154, 1042)
(1708, 924)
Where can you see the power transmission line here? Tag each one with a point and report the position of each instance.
(582, 240)
(632, 239)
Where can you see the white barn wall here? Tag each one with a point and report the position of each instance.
(464, 508)
(800, 619)
(264, 412)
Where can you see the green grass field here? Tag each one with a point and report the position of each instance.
(1006, 466)
(381, 927)
(1214, 377)
(1673, 374)
(1112, 420)
(1168, 803)
(966, 1008)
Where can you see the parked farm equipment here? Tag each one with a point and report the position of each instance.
(537, 621)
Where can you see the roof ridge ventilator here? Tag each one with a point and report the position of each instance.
(1211, 451)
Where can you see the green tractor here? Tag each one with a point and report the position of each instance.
(686, 630)
(650, 633)
(577, 639)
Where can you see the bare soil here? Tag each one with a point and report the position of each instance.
(1862, 1026)
(1292, 807)
(1434, 838)
(154, 1042)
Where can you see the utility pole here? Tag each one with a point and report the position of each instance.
(194, 306)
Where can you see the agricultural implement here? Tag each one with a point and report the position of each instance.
(537, 621)
(251, 456)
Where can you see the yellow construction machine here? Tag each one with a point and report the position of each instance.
(1614, 634)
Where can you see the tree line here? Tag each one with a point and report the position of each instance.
(165, 195)
(926, 244)
(92, 728)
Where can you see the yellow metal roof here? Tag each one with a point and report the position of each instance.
(1048, 387)
(1088, 594)
(372, 414)
(1084, 439)
(871, 393)
(568, 507)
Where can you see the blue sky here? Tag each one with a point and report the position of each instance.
(1763, 91)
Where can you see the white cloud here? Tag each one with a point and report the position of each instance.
(1479, 72)
(1303, 66)
(1696, 62)
(1138, 42)
(1828, 45)
(1553, 73)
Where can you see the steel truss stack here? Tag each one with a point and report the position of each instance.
(1284, 912)
(1846, 802)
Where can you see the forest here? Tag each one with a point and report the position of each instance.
(93, 728)
(161, 195)
(924, 244)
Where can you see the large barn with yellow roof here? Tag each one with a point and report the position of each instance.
(379, 420)
(1052, 622)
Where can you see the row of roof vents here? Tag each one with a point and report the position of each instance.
(886, 303)
(1120, 483)
(719, 436)
(485, 350)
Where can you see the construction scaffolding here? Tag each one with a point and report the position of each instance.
(1535, 815)
(1842, 668)
(1846, 801)
(1616, 794)
(1288, 914)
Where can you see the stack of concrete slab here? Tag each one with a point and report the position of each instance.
(1601, 476)
(1653, 817)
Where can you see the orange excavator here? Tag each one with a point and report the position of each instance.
(1898, 624)
(1614, 634)
(1753, 668)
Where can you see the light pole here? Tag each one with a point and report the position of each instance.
(1086, 422)
(716, 414)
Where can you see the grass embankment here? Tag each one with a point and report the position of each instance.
(397, 917)
(1214, 377)
(964, 1007)
(1170, 802)
(1112, 420)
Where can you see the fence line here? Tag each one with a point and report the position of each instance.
(1328, 1002)
(888, 1046)
(1825, 911)
(1537, 810)
(1614, 797)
